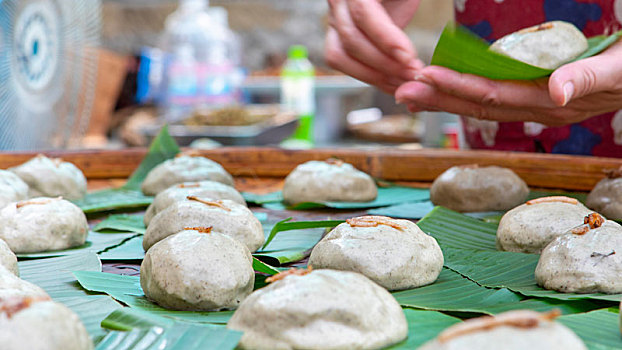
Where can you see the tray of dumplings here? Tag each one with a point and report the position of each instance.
(318, 249)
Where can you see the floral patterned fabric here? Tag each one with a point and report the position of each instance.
(492, 19)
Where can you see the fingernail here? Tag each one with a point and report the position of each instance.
(568, 92)
(402, 56)
(423, 79)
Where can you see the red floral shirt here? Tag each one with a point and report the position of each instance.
(491, 19)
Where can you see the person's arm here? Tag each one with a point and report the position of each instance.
(365, 40)
(573, 93)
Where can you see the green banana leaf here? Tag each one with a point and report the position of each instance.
(469, 248)
(289, 247)
(461, 50)
(133, 223)
(423, 326)
(415, 210)
(127, 318)
(130, 250)
(113, 199)
(418, 210)
(55, 277)
(260, 199)
(127, 290)
(599, 329)
(287, 225)
(455, 230)
(283, 249)
(386, 196)
(180, 336)
(260, 266)
(514, 271)
(452, 292)
(95, 242)
(162, 148)
(196, 336)
(123, 223)
(129, 195)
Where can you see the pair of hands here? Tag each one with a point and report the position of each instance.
(365, 40)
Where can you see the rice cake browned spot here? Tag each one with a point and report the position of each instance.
(374, 221)
(290, 272)
(36, 202)
(334, 161)
(543, 26)
(218, 203)
(553, 199)
(200, 229)
(14, 305)
(193, 185)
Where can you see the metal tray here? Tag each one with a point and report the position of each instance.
(269, 132)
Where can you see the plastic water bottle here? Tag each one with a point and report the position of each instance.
(298, 94)
(230, 72)
(199, 61)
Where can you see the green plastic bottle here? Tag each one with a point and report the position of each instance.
(298, 95)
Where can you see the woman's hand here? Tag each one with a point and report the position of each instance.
(573, 93)
(365, 40)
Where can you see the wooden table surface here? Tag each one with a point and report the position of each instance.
(576, 173)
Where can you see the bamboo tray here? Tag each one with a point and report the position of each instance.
(563, 172)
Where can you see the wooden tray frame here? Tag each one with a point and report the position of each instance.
(574, 173)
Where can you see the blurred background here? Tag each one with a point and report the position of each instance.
(110, 73)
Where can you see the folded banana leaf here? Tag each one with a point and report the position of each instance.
(453, 292)
(138, 333)
(514, 271)
(55, 277)
(292, 246)
(283, 249)
(130, 250)
(469, 248)
(416, 210)
(598, 329)
(127, 290)
(96, 242)
(133, 223)
(455, 230)
(129, 195)
(386, 196)
(461, 50)
(179, 336)
(122, 223)
(423, 326)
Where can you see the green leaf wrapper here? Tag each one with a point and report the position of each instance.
(461, 50)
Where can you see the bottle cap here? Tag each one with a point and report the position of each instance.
(297, 51)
